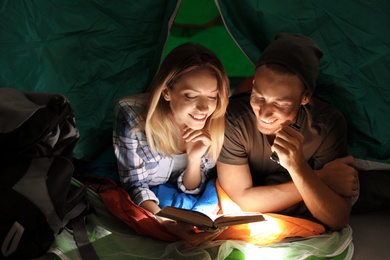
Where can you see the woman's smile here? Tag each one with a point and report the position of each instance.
(199, 117)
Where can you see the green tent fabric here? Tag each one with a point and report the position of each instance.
(355, 69)
(93, 52)
(209, 30)
(97, 51)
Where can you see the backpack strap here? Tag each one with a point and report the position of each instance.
(80, 235)
(20, 221)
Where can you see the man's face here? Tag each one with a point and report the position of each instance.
(276, 99)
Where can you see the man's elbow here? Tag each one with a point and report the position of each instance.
(337, 222)
(338, 226)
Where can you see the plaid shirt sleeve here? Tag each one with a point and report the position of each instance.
(132, 150)
(205, 167)
(136, 162)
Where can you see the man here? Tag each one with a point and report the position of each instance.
(305, 178)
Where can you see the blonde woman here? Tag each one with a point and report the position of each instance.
(174, 132)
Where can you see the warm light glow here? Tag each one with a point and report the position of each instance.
(259, 227)
(264, 253)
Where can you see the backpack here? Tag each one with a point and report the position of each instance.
(37, 201)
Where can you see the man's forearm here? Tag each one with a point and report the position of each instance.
(265, 199)
(325, 205)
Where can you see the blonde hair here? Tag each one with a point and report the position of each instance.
(162, 133)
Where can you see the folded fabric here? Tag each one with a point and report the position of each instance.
(112, 239)
(169, 195)
(276, 228)
(208, 202)
(119, 203)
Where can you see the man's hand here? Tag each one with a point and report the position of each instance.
(341, 176)
(188, 232)
(288, 146)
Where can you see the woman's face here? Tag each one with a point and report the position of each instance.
(276, 99)
(193, 98)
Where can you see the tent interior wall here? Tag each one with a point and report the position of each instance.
(96, 51)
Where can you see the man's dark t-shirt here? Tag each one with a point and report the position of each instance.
(323, 127)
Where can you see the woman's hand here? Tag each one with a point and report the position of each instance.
(197, 142)
(188, 232)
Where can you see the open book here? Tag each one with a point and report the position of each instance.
(204, 221)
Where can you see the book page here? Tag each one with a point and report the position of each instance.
(186, 215)
(201, 219)
(239, 218)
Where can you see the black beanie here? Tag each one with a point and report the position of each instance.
(297, 53)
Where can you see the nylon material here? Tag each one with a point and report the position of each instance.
(170, 22)
(124, 243)
(69, 129)
(366, 165)
(80, 207)
(90, 51)
(238, 19)
(46, 145)
(12, 239)
(39, 195)
(356, 58)
(99, 51)
(12, 100)
(79, 231)
(58, 183)
(222, 14)
(58, 253)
